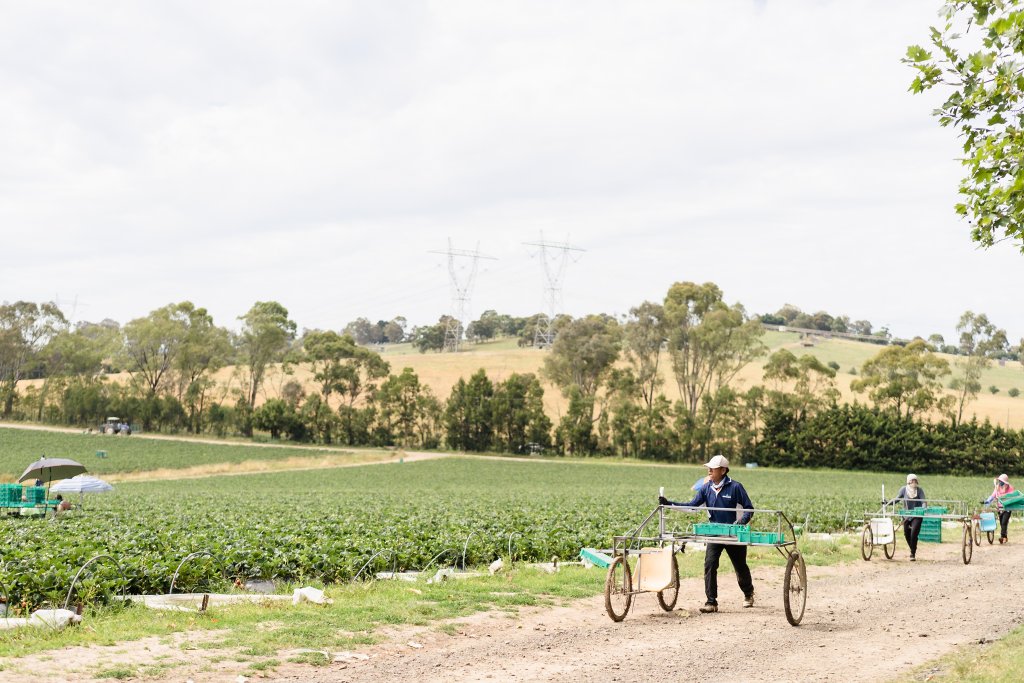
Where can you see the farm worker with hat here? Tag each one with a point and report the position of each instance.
(912, 496)
(720, 491)
(1002, 488)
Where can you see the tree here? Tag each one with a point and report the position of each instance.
(518, 413)
(979, 341)
(643, 338)
(978, 66)
(408, 411)
(583, 352)
(904, 378)
(266, 336)
(25, 329)
(204, 349)
(469, 413)
(151, 346)
(804, 383)
(708, 343)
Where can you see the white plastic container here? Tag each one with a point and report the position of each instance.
(881, 530)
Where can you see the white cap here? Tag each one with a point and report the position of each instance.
(911, 477)
(717, 461)
(1003, 478)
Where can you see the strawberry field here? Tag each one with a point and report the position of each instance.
(325, 525)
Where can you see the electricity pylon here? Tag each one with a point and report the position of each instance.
(461, 291)
(554, 256)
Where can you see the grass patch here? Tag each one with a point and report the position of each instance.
(360, 610)
(999, 662)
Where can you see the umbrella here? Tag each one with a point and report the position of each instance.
(49, 469)
(81, 484)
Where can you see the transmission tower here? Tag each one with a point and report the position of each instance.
(461, 290)
(554, 256)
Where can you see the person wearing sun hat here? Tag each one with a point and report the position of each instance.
(912, 496)
(1003, 487)
(720, 491)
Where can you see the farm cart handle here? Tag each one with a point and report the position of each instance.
(124, 579)
(190, 556)
(394, 557)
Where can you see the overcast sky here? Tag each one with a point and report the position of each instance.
(316, 153)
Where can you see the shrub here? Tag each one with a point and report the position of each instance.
(1014, 392)
(993, 389)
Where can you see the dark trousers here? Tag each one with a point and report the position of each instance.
(1004, 521)
(738, 555)
(911, 530)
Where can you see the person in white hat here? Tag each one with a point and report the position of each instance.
(1003, 487)
(720, 491)
(912, 496)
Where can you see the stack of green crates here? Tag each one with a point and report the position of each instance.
(35, 494)
(931, 529)
(10, 494)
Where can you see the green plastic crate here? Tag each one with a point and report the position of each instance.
(766, 537)
(35, 494)
(10, 493)
(718, 529)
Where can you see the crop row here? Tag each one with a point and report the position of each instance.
(325, 525)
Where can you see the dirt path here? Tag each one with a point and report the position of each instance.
(864, 622)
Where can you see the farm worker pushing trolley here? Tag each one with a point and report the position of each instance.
(1002, 488)
(720, 491)
(912, 496)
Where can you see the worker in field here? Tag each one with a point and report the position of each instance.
(912, 496)
(721, 491)
(1002, 487)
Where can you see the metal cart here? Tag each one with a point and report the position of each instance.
(881, 527)
(644, 560)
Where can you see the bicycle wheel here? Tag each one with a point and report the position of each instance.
(867, 542)
(668, 597)
(968, 549)
(890, 548)
(794, 589)
(976, 528)
(991, 537)
(618, 589)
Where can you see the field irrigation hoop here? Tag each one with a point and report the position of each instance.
(198, 553)
(124, 579)
(394, 562)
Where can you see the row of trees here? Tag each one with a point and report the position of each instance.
(611, 374)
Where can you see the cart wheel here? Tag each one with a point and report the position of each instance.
(991, 537)
(890, 548)
(867, 543)
(794, 588)
(667, 598)
(976, 528)
(618, 589)
(968, 544)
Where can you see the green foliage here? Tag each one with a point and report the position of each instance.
(856, 437)
(1014, 392)
(325, 525)
(977, 65)
(993, 390)
(904, 378)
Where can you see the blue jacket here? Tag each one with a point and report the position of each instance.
(731, 495)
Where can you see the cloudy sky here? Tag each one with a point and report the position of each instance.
(317, 153)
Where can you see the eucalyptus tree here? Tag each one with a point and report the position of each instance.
(265, 338)
(905, 379)
(980, 341)
(708, 343)
(25, 330)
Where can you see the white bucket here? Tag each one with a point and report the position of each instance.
(881, 530)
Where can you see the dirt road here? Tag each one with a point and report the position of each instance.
(864, 622)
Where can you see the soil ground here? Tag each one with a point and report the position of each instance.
(867, 621)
